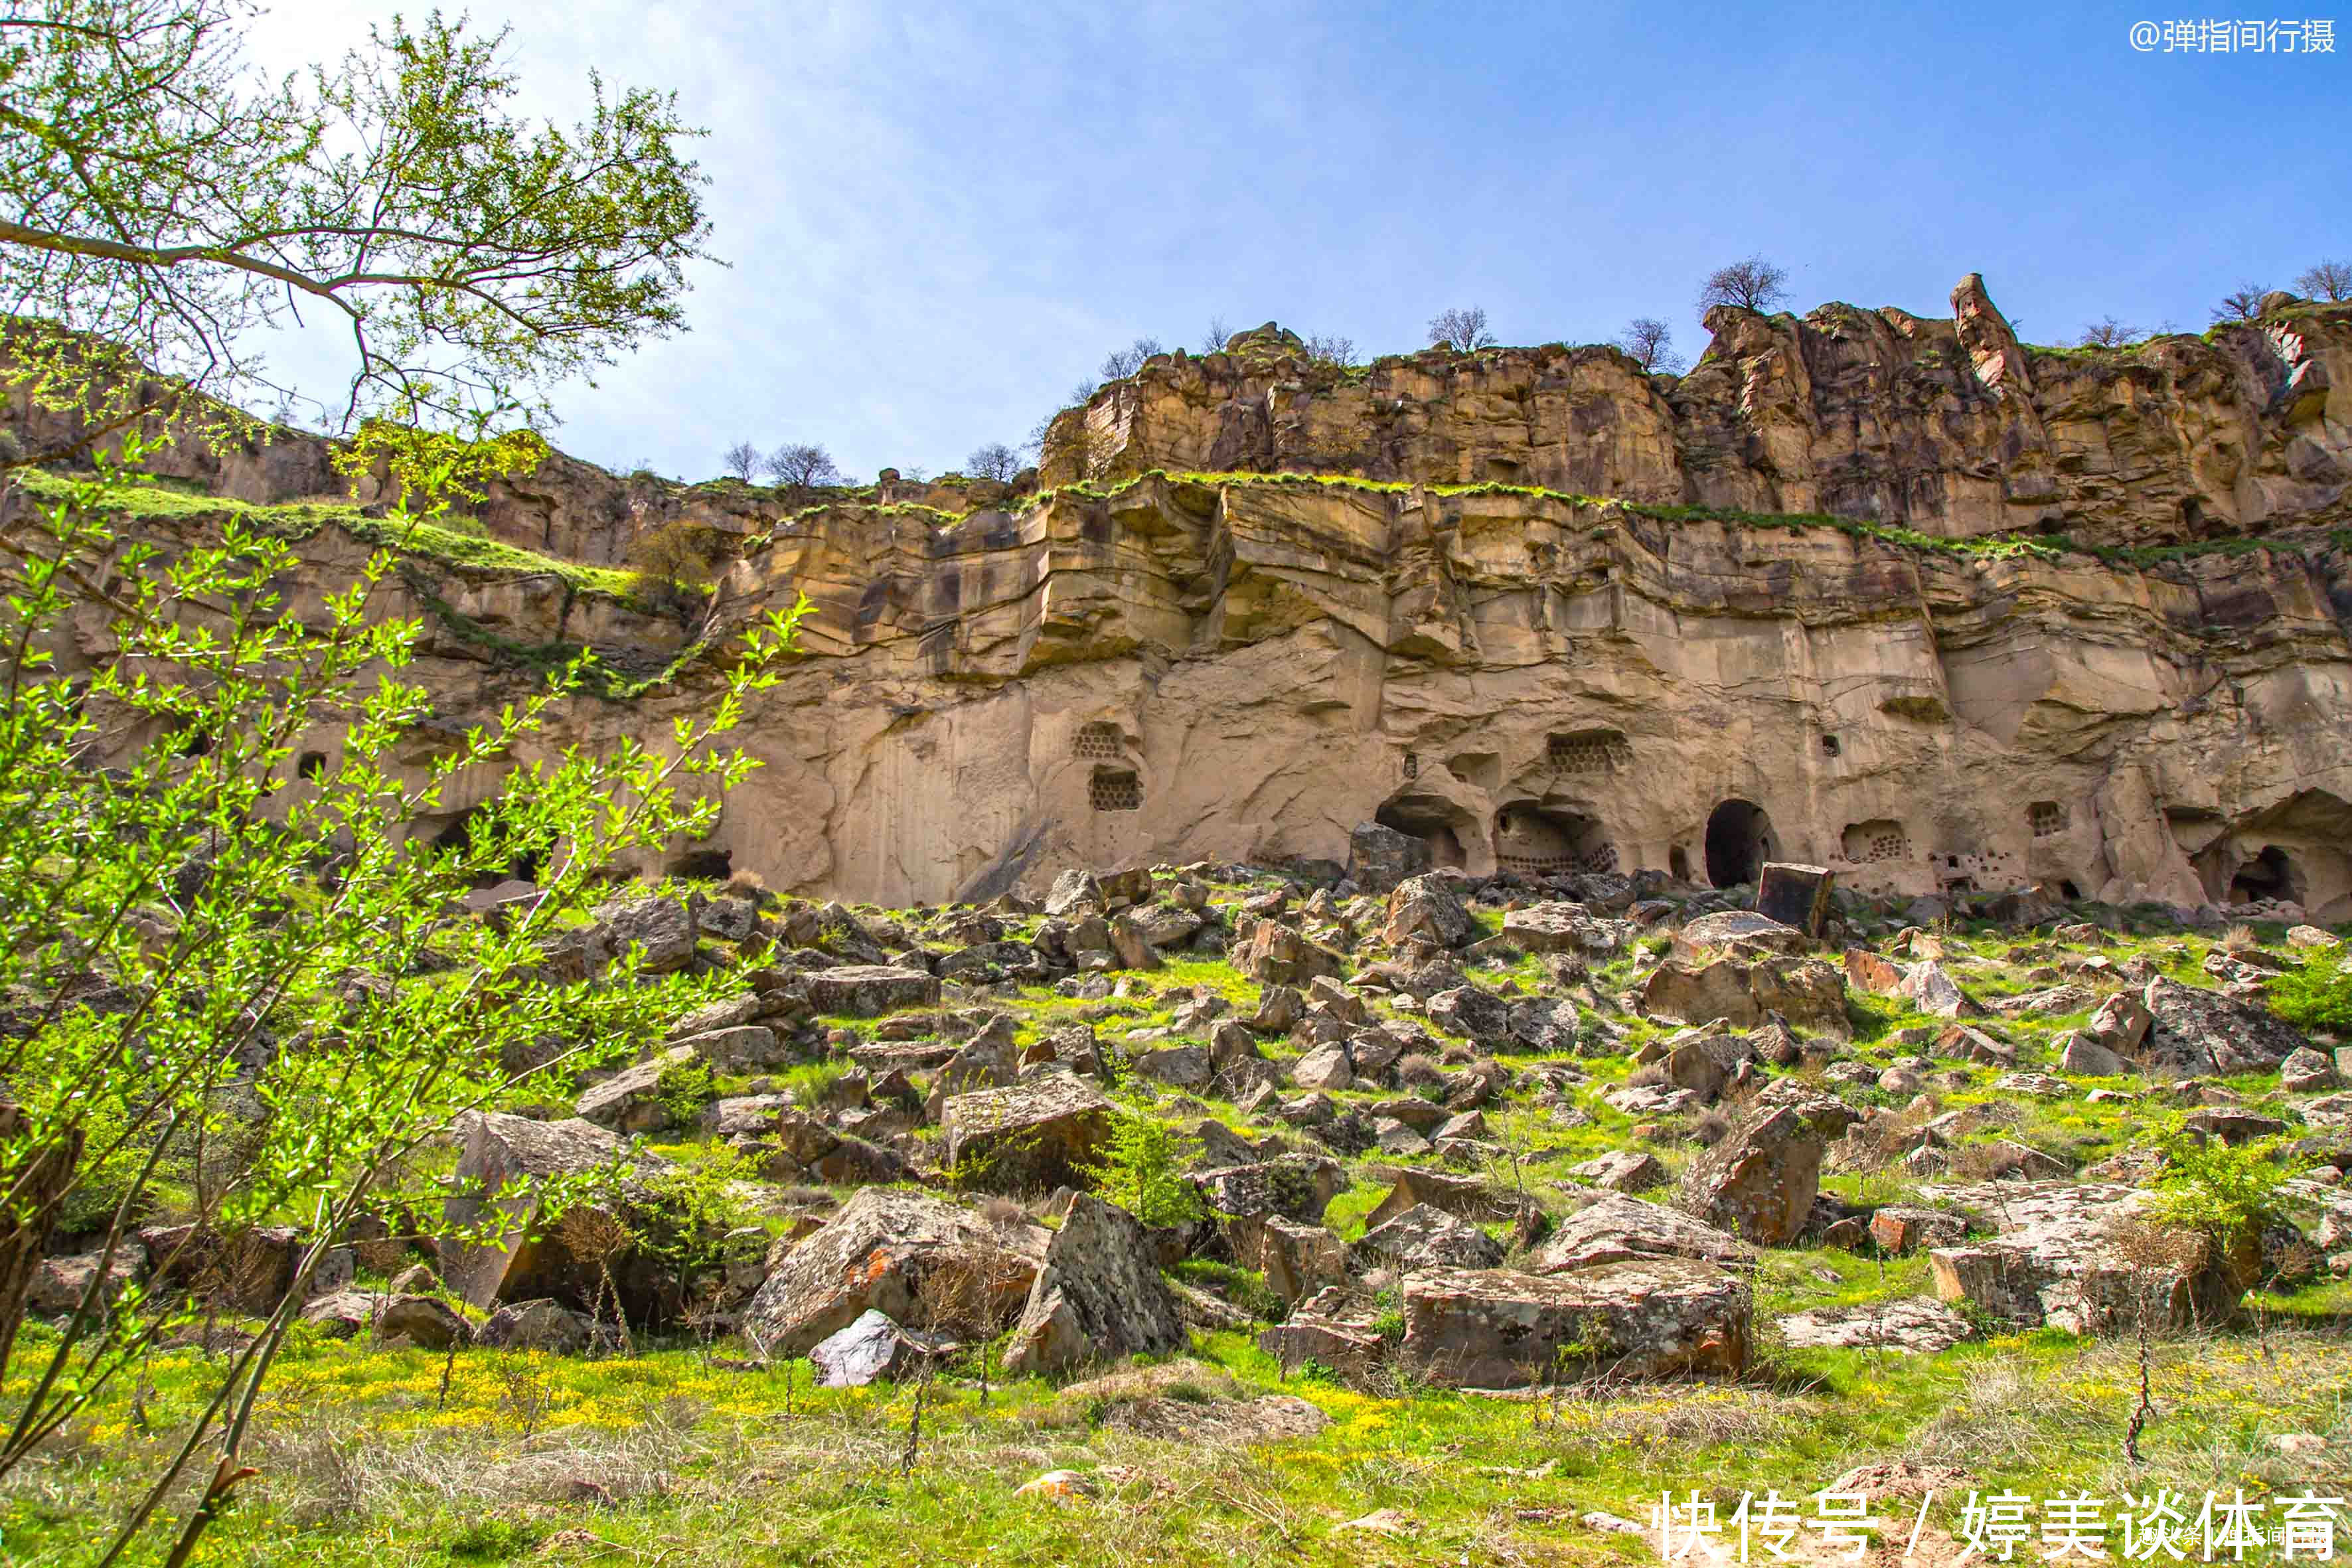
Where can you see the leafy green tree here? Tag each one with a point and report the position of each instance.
(1142, 1169)
(238, 990)
(248, 1000)
(163, 201)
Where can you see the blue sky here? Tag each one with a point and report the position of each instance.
(939, 217)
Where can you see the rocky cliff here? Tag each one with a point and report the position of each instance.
(1898, 596)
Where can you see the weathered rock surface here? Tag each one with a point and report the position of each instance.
(1614, 1229)
(1099, 1296)
(878, 1254)
(1652, 1318)
(2054, 1259)
(2203, 1031)
(1031, 1135)
(1758, 1181)
(1523, 681)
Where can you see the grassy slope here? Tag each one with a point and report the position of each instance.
(683, 1454)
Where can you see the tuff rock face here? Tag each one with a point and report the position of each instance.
(1162, 666)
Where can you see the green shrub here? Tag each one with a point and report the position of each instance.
(683, 1090)
(2223, 1192)
(1142, 1169)
(810, 1082)
(2316, 995)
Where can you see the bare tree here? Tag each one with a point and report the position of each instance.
(1213, 338)
(1331, 350)
(1463, 329)
(802, 466)
(1754, 284)
(1120, 363)
(1652, 341)
(994, 461)
(742, 461)
(1082, 394)
(2107, 332)
(2330, 280)
(2244, 304)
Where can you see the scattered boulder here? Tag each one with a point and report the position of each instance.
(59, 1286)
(877, 1254)
(2203, 1031)
(1379, 856)
(1296, 1259)
(2054, 1261)
(2306, 1071)
(1098, 1295)
(661, 930)
(1758, 1181)
(1277, 955)
(1031, 1135)
(1296, 1186)
(1914, 1325)
(1427, 907)
(631, 1100)
(872, 1349)
(1806, 992)
(869, 990)
(539, 1325)
(1615, 1228)
(1796, 896)
(1464, 1197)
(424, 1321)
(1424, 1236)
(1621, 1170)
(1659, 1317)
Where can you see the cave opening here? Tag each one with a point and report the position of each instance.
(1534, 841)
(2271, 875)
(703, 866)
(1429, 821)
(1739, 842)
(459, 833)
(1678, 863)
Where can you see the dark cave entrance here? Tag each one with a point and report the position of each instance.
(2272, 874)
(1739, 842)
(1429, 820)
(457, 834)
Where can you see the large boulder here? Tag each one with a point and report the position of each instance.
(912, 1257)
(1659, 1317)
(2056, 1259)
(1296, 1259)
(631, 1100)
(1758, 1181)
(1613, 1229)
(423, 1320)
(2204, 1031)
(1427, 907)
(1277, 955)
(1425, 1237)
(1464, 1197)
(1806, 992)
(500, 1248)
(61, 1284)
(1565, 928)
(1099, 1296)
(1296, 1186)
(1796, 896)
(250, 1268)
(661, 930)
(869, 990)
(872, 1349)
(1475, 1014)
(1033, 1135)
(1379, 856)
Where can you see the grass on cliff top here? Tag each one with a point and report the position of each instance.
(2049, 547)
(456, 542)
